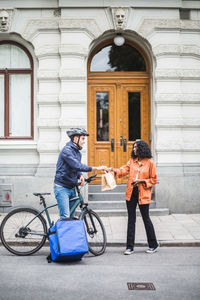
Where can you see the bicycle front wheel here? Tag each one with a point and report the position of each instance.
(96, 234)
(21, 233)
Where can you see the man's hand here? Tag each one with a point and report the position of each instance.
(100, 168)
(82, 180)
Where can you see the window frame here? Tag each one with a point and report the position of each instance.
(7, 72)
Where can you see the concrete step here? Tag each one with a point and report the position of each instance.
(112, 205)
(123, 212)
(97, 189)
(106, 196)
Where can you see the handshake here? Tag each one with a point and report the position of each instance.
(104, 168)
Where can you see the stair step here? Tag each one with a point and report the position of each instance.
(111, 205)
(97, 189)
(106, 196)
(123, 212)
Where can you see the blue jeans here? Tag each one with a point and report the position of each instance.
(63, 195)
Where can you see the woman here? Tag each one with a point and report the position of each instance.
(142, 177)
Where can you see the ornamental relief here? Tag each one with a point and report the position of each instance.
(86, 25)
(176, 49)
(5, 19)
(120, 15)
(150, 25)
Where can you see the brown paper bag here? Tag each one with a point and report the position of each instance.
(108, 182)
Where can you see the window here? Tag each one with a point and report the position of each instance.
(113, 58)
(16, 91)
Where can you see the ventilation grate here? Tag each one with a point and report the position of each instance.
(140, 286)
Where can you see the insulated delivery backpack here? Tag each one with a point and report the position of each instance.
(67, 240)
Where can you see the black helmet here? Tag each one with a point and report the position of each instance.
(71, 132)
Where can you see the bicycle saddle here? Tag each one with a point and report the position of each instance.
(41, 194)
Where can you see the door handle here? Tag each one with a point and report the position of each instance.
(112, 145)
(121, 140)
(124, 145)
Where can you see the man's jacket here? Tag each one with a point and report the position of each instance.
(69, 166)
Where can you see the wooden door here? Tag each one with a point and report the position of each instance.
(118, 114)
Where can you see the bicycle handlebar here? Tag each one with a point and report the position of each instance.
(89, 179)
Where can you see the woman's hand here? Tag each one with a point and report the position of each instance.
(138, 181)
(111, 169)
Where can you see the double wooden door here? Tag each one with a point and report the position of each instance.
(118, 114)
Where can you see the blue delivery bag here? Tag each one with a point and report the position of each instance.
(67, 240)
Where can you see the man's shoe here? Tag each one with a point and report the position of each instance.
(128, 251)
(152, 250)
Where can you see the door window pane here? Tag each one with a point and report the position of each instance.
(134, 116)
(13, 57)
(20, 105)
(113, 58)
(1, 105)
(102, 104)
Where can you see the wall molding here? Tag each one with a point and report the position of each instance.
(186, 74)
(179, 50)
(150, 25)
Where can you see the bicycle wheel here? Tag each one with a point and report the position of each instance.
(20, 234)
(95, 232)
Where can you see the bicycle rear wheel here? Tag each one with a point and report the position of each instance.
(95, 232)
(20, 234)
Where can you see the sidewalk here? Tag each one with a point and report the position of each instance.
(171, 230)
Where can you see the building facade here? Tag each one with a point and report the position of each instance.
(125, 70)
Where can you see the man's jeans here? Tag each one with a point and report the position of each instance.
(63, 195)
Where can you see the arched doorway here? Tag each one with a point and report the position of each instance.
(118, 103)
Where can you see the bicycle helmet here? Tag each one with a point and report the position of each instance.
(71, 132)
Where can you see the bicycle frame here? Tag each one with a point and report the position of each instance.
(77, 200)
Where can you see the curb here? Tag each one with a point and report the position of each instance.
(144, 244)
(162, 244)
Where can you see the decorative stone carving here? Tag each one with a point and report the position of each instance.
(176, 49)
(36, 25)
(57, 12)
(4, 20)
(88, 25)
(150, 25)
(119, 18)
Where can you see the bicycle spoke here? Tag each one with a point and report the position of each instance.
(95, 233)
(20, 238)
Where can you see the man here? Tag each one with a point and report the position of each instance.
(69, 169)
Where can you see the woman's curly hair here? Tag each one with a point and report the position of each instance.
(143, 150)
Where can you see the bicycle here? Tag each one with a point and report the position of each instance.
(24, 230)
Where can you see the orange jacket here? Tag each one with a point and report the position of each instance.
(145, 170)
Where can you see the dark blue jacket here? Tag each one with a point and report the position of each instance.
(69, 166)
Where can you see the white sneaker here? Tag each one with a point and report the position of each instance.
(128, 251)
(152, 250)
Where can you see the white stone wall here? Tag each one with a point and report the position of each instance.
(60, 42)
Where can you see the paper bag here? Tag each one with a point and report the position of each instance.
(108, 182)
